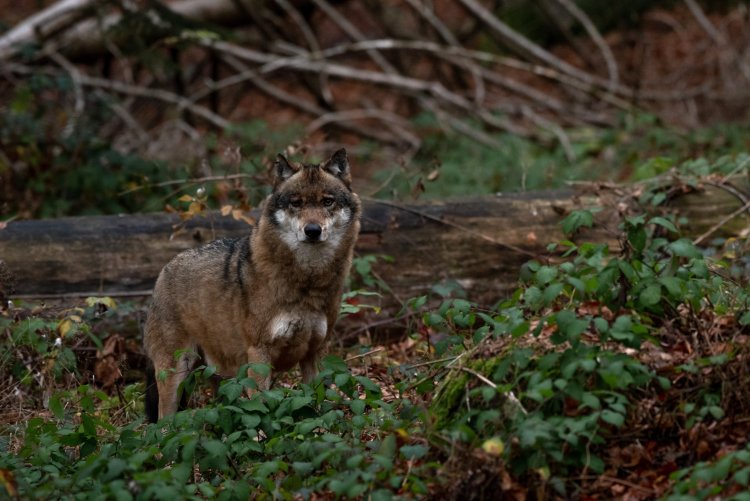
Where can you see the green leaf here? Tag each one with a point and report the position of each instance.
(335, 364)
(263, 470)
(115, 468)
(569, 325)
(684, 248)
(214, 448)
(533, 297)
(250, 421)
(303, 468)
(354, 461)
(367, 384)
(253, 405)
(388, 446)
(651, 295)
(590, 400)
(299, 402)
(230, 390)
(613, 418)
(742, 476)
(577, 219)
(414, 451)
(674, 286)
(551, 292)
(56, 406)
(664, 223)
(357, 406)
(546, 274)
(637, 238)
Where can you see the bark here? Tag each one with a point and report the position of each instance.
(481, 242)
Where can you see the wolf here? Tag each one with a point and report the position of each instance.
(271, 297)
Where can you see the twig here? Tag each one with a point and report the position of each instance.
(721, 223)
(627, 483)
(512, 399)
(555, 129)
(70, 295)
(445, 34)
(431, 362)
(522, 45)
(312, 42)
(80, 101)
(448, 52)
(479, 376)
(366, 354)
(195, 180)
(742, 165)
(354, 33)
(400, 124)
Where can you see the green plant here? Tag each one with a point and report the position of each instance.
(727, 478)
(336, 435)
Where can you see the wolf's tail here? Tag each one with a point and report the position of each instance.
(152, 394)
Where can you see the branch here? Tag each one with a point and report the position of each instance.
(717, 36)
(45, 23)
(134, 90)
(609, 58)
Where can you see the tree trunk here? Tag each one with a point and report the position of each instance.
(480, 242)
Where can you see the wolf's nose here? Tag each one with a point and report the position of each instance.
(313, 231)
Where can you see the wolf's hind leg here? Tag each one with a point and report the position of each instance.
(168, 379)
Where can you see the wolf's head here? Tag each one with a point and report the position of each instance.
(312, 205)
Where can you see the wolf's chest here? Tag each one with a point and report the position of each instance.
(297, 326)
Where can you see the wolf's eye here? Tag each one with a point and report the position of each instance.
(296, 203)
(328, 201)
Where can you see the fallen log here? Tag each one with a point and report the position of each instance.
(480, 242)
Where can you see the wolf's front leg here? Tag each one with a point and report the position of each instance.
(310, 364)
(257, 355)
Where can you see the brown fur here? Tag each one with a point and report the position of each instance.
(271, 297)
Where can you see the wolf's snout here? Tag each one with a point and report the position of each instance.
(313, 231)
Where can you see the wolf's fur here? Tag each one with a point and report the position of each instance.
(271, 297)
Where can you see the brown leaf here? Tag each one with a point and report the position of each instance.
(107, 367)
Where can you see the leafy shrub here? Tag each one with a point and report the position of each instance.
(342, 439)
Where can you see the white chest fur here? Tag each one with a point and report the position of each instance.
(287, 325)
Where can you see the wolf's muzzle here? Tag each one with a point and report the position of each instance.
(313, 232)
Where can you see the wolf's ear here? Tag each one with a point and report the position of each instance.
(338, 165)
(283, 169)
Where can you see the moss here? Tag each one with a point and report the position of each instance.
(451, 392)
